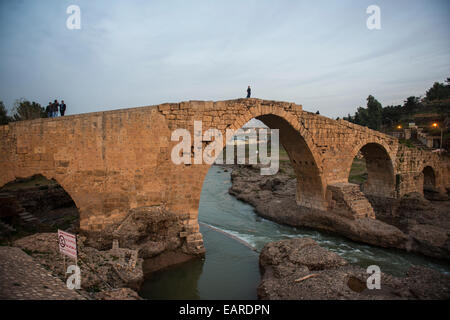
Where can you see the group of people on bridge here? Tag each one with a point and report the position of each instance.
(53, 108)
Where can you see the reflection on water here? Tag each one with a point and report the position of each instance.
(178, 282)
(230, 269)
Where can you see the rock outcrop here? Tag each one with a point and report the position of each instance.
(427, 223)
(161, 238)
(299, 269)
(100, 270)
(118, 294)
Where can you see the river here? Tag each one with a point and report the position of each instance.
(230, 268)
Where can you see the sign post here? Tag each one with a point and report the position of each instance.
(67, 245)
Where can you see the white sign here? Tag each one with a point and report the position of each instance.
(67, 244)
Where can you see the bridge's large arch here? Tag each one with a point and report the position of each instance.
(380, 170)
(309, 179)
(302, 154)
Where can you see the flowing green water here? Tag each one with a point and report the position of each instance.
(230, 269)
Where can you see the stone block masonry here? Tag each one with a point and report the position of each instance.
(116, 161)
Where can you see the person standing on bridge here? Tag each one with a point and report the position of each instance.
(249, 92)
(48, 110)
(55, 108)
(62, 108)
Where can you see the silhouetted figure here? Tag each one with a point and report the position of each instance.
(55, 108)
(49, 109)
(62, 108)
(249, 92)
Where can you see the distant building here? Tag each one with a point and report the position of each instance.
(416, 133)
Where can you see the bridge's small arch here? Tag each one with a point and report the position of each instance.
(429, 180)
(379, 179)
(429, 177)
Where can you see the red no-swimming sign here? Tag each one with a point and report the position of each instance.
(67, 244)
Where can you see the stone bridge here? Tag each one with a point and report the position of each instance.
(112, 162)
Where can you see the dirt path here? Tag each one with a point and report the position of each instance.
(22, 278)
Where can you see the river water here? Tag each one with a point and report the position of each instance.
(230, 268)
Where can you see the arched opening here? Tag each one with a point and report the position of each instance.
(298, 182)
(35, 205)
(309, 183)
(297, 155)
(429, 182)
(372, 169)
(358, 170)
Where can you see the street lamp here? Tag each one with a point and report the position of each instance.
(399, 126)
(436, 125)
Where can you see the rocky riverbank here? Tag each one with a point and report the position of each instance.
(104, 274)
(114, 262)
(412, 223)
(299, 269)
(146, 241)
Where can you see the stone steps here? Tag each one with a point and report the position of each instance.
(7, 226)
(9, 206)
(28, 217)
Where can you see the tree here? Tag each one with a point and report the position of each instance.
(362, 116)
(26, 110)
(411, 104)
(439, 91)
(374, 112)
(391, 115)
(4, 118)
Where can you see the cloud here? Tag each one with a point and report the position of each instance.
(135, 53)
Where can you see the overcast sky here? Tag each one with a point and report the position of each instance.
(133, 53)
